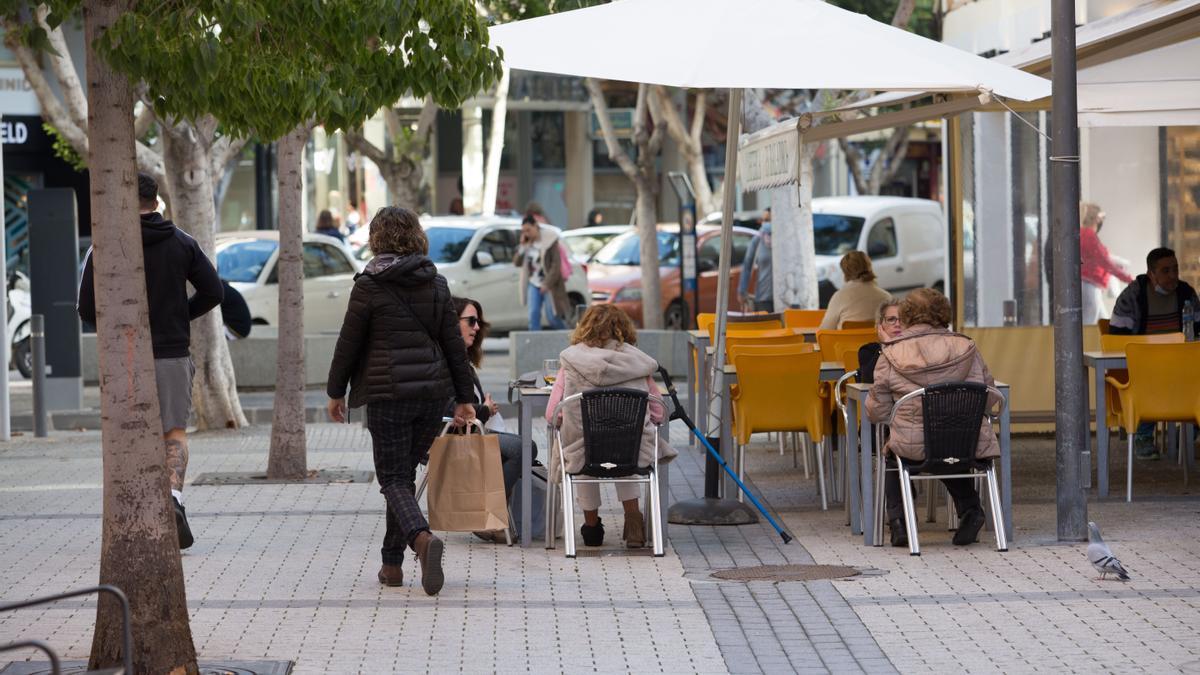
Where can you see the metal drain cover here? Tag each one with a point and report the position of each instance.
(787, 573)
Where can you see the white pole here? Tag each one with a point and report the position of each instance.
(733, 132)
(5, 400)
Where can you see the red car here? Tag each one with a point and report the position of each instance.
(615, 273)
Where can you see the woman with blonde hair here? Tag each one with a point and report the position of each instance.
(401, 351)
(603, 353)
(859, 298)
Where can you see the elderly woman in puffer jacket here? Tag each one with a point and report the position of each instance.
(603, 354)
(928, 353)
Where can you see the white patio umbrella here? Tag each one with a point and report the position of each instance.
(736, 44)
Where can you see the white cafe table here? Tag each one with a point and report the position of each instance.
(533, 401)
(856, 400)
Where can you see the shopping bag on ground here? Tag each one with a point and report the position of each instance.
(466, 483)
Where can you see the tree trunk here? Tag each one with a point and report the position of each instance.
(491, 170)
(139, 550)
(472, 159)
(404, 185)
(794, 272)
(187, 160)
(647, 223)
(288, 453)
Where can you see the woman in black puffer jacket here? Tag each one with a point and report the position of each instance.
(401, 352)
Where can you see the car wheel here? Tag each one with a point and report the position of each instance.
(677, 316)
(23, 358)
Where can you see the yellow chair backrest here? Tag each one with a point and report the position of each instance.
(1118, 343)
(834, 342)
(704, 320)
(803, 318)
(778, 390)
(745, 326)
(854, 325)
(850, 360)
(776, 337)
(1163, 381)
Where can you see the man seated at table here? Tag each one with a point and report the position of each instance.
(1153, 303)
(924, 354)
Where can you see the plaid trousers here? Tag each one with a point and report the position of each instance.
(401, 433)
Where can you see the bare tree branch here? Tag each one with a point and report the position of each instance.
(698, 114)
(897, 151)
(225, 150)
(64, 70)
(426, 118)
(362, 146)
(904, 11)
(52, 108)
(615, 152)
(143, 122)
(854, 161)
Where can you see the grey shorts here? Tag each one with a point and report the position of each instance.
(174, 379)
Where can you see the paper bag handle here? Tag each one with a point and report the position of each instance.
(450, 428)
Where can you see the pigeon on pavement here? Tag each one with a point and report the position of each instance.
(1102, 557)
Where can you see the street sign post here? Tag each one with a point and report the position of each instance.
(689, 286)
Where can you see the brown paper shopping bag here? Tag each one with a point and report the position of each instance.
(466, 483)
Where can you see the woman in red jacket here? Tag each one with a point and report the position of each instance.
(1096, 265)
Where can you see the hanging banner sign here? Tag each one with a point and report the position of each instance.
(768, 158)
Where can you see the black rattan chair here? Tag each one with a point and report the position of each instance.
(613, 422)
(952, 414)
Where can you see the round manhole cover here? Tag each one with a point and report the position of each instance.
(787, 573)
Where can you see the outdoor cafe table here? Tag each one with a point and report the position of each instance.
(698, 346)
(1101, 363)
(856, 402)
(532, 401)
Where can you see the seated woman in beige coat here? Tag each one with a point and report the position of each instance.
(927, 353)
(603, 354)
(860, 298)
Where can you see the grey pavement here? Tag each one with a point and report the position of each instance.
(287, 572)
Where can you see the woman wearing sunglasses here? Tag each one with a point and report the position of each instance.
(474, 329)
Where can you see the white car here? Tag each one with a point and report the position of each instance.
(904, 237)
(585, 242)
(247, 261)
(475, 254)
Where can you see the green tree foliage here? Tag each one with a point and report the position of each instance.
(925, 20)
(64, 150)
(264, 66)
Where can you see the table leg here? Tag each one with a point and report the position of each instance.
(866, 475)
(728, 452)
(693, 386)
(701, 407)
(853, 498)
(525, 429)
(1101, 437)
(1006, 466)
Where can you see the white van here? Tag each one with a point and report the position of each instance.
(904, 237)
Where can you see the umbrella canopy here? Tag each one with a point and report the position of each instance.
(774, 44)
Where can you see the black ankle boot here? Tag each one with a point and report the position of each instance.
(899, 533)
(593, 535)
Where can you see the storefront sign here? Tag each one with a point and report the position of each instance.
(24, 134)
(768, 158)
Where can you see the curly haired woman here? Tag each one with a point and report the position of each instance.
(603, 353)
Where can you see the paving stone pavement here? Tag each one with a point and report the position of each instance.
(287, 572)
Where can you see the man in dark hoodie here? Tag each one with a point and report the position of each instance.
(172, 260)
(1153, 303)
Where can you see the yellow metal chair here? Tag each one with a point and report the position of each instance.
(857, 325)
(836, 341)
(779, 390)
(1162, 387)
(803, 318)
(1118, 343)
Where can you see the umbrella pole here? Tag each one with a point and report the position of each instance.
(711, 510)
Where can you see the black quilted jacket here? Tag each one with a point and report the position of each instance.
(400, 350)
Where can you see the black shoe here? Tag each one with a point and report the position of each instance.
(968, 528)
(181, 524)
(593, 535)
(899, 533)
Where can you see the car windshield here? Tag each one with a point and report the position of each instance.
(447, 244)
(244, 260)
(836, 235)
(623, 250)
(587, 245)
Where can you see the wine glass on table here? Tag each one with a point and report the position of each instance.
(549, 371)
